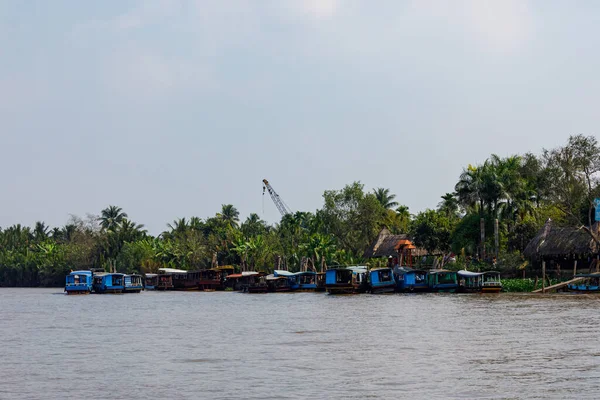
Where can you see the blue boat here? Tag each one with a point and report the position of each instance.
(109, 283)
(306, 281)
(589, 284)
(150, 281)
(382, 280)
(410, 280)
(346, 280)
(132, 284)
(442, 281)
(291, 277)
(79, 282)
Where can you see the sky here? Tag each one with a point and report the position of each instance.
(171, 108)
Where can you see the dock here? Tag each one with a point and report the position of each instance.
(558, 285)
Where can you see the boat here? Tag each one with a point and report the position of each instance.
(381, 280)
(346, 280)
(589, 284)
(165, 278)
(241, 281)
(442, 281)
(278, 283)
(186, 280)
(79, 282)
(410, 280)
(469, 282)
(132, 284)
(491, 282)
(150, 281)
(259, 285)
(306, 281)
(214, 278)
(109, 283)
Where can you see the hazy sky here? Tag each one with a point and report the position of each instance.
(172, 108)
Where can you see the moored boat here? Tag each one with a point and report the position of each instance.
(165, 278)
(109, 283)
(469, 282)
(278, 283)
(346, 280)
(410, 280)
(150, 281)
(491, 282)
(442, 281)
(589, 284)
(381, 280)
(306, 281)
(186, 280)
(214, 278)
(79, 282)
(241, 281)
(132, 284)
(258, 285)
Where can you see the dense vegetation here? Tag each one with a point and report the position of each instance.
(520, 191)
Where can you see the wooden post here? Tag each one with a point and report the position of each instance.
(543, 276)
(482, 228)
(496, 238)
(574, 268)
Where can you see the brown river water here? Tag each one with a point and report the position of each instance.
(224, 345)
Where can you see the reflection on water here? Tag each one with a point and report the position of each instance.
(230, 345)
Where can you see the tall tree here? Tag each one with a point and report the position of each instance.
(385, 198)
(111, 217)
(230, 214)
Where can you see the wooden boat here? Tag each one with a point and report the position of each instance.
(320, 282)
(79, 282)
(278, 283)
(469, 282)
(187, 280)
(214, 278)
(491, 282)
(381, 280)
(132, 284)
(589, 284)
(259, 285)
(442, 281)
(346, 280)
(241, 282)
(165, 278)
(410, 280)
(109, 283)
(150, 281)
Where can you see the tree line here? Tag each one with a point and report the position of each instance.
(520, 191)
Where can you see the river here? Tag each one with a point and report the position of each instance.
(224, 345)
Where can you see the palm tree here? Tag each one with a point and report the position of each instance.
(111, 217)
(179, 226)
(230, 214)
(385, 198)
(40, 231)
(449, 205)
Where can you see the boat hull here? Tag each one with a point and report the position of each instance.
(491, 289)
(383, 289)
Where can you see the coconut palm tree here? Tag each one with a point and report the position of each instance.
(385, 198)
(111, 217)
(449, 205)
(230, 214)
(40, 231)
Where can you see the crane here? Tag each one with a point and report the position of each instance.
(281, 206)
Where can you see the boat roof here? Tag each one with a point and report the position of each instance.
(272, 277)
(304, 273)
(380, 269)
(280, 272)
(440, 271)
(81, 272)
(250, 273)
(172, 271)
(151, 275)
(354, 268)
(234, 276)
(469, 274)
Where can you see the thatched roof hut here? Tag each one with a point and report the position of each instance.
(388, 245)
(553, 241)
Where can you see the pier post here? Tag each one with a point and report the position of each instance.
(543, 276)
(574, 268)
(496, 238)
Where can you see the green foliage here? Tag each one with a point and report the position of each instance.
(432, 230)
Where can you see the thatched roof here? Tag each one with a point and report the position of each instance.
(386, 245)
(560, 241)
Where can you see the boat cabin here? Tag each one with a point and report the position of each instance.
(109, 283)
(306, 281)
(132, 283)
(241, 281)
(165, 278)
(410, 280)
(79, 282)
(150, 281)
(491, 282)
(346, 280)
(469, 282)
(382, 280)
(258, 285)
(278, 283)
(214, 278)
(186, 280)
(442, 281)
